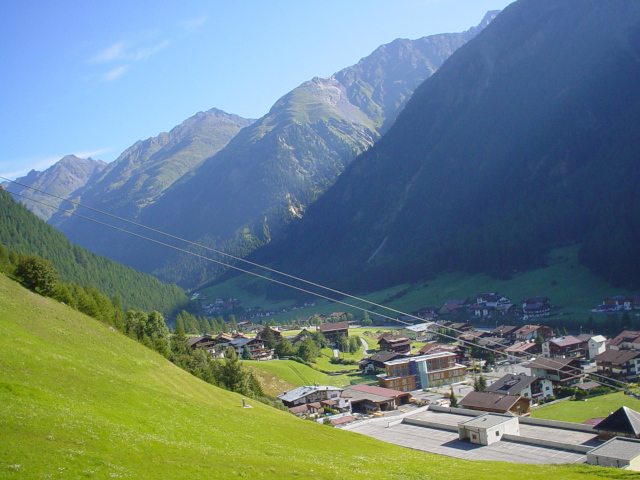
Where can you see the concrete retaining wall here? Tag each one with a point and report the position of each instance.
(578, 427)
(547, 443)
(458, 411)
(424, 423)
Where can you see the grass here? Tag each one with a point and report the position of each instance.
(578, 411)
(297, 374)
(82, 401)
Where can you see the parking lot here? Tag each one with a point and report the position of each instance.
(444, 442)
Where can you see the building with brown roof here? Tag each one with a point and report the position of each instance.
(563, 347)
(332, 331)
(563, 372)
(627, 340)
(496, 403)
(531, 332)
(623, 365)
(522, 350)
(395, 343)
(370, 399)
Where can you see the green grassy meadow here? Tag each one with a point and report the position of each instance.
(82, 401)
(567, 283)
(578, 411)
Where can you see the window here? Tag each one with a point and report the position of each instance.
(497, 433)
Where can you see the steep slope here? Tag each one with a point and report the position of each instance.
(526, 138)
(145, 170)
(271, 171)
(82, 401)
(62, 179)
(24, 233)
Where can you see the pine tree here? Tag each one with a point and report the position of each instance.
(453, 401)
(233, 325)
(246, 353)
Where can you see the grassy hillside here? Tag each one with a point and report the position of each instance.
(81, 401)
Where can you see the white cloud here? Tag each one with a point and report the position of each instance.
(91, 153)
(193, 24)
(115, 73)
(109, 54)
(38, 165)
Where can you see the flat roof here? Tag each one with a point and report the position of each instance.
(620, 448)
(489, 420)
(420, 358)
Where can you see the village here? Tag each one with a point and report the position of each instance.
(468, 386)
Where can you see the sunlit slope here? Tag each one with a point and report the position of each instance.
(81, 401)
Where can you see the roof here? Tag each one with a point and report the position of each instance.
(523, 347)
(527, 329)
(616, 356)
(343, 420)
(586, 386)
(550, 363)
(504, 329)
(332, 327)
(431, 348)
(628, 336)
(510, 384)
(302, 408)
(421, 327)
(385, 356)
(488, 420)
(623, 420)
(618, 447)
(380, 391)
(193, 340)
(566, 341)
(300, 392)
(419, 358)
(488, 400)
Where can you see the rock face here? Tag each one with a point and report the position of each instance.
(271, 171)
(63, 179)
(524, 139)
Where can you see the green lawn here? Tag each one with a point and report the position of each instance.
(81, 401)
(578, 411)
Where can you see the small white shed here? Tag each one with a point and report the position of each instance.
(488, 428)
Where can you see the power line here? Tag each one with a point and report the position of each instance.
(494, 351)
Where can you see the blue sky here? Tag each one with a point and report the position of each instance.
(92, 78)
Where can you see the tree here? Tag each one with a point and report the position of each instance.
(233, 325)
(453, 401)
(37, 274)
(246, 353)
(308, 350)
(269, 337)
(284, 348)
(366, 321)
(482, 384)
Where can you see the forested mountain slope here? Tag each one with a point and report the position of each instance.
(24, 233)
(268, 174)
(526, 138)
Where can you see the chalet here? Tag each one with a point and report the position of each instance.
(461, 327)
(522, 351)
(535, 301)
(499, 302)
(531, 332)
(256, 346)
(624, 422)
(535, 388)
(623, 365)
(332, 331)
(310, 394)
(207, 342)
(623, 302)
(432, 348)
(504, 331)
(469, 337)
(564, 347)
(496, 403)
(481, 310)
(277, 334)
(413, 373)
(627, 340)
(394, 343)
(421, 330)
(495, 343)
(535, 310)
(375, 361)
(563, 372)
(483, 298)
(370, 399)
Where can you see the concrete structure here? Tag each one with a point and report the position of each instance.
(424, 371)
(597, 345)
(488, 429)
(618, 453)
